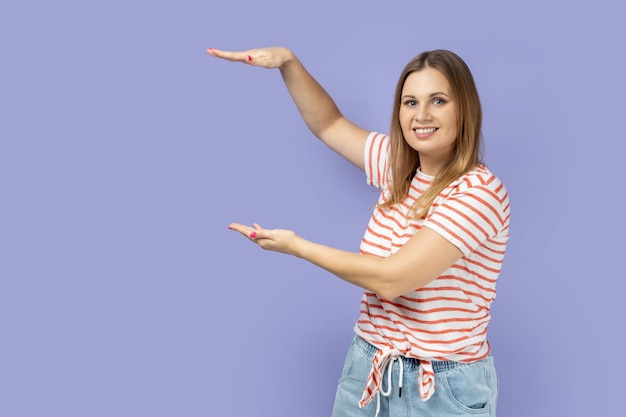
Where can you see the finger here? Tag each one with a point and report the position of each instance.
(247, 231)
(230, 55)
(259, 232)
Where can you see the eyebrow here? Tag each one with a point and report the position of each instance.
(438, 93)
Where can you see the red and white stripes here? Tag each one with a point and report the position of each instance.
(446, 319)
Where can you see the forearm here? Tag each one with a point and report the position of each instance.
(315, 105)
(365, 271)
(422, 259)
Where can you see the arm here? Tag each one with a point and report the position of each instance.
(421, 260)
(319, 111)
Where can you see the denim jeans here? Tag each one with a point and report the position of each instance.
(461, 389)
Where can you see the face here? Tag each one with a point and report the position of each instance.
(428, 117)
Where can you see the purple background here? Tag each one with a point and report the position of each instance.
(126, 151)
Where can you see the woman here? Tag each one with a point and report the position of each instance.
(433, 248)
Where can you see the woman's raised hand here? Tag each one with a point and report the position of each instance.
(266, 57)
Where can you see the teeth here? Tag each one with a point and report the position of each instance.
(425, 130)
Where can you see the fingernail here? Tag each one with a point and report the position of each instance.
(210, 49)
(253, 234)
(249, 58)
(230, 228)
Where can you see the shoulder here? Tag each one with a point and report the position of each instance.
(472, 209)
(477, 193)
(480, 179)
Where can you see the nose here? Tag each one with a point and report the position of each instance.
(422, 113)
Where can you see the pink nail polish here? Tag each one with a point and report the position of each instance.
(230, 228)
(253, 235)
(249, 58)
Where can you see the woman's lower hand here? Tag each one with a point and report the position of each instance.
(277, 240)
(273, 57)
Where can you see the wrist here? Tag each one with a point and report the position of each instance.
(288, 58)
(298, 247)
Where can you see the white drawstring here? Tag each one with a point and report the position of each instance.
(387, 392)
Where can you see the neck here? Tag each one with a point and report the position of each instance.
(430, 167)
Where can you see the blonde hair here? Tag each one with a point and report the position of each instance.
(467, 148)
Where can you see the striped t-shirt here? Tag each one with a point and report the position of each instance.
(446, 319)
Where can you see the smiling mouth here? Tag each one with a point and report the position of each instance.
(424, 130)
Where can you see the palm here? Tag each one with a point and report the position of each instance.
(265, 57)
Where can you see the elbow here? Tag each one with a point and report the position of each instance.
(389, 289)
(390, 293)
(386, 281)
(393, 285)
(325, 129)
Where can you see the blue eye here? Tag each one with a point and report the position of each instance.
(439, 101)
(410, 102)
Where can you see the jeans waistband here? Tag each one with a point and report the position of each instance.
(408, 363)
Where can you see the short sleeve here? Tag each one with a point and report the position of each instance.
(474, 211)
(377, 159)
